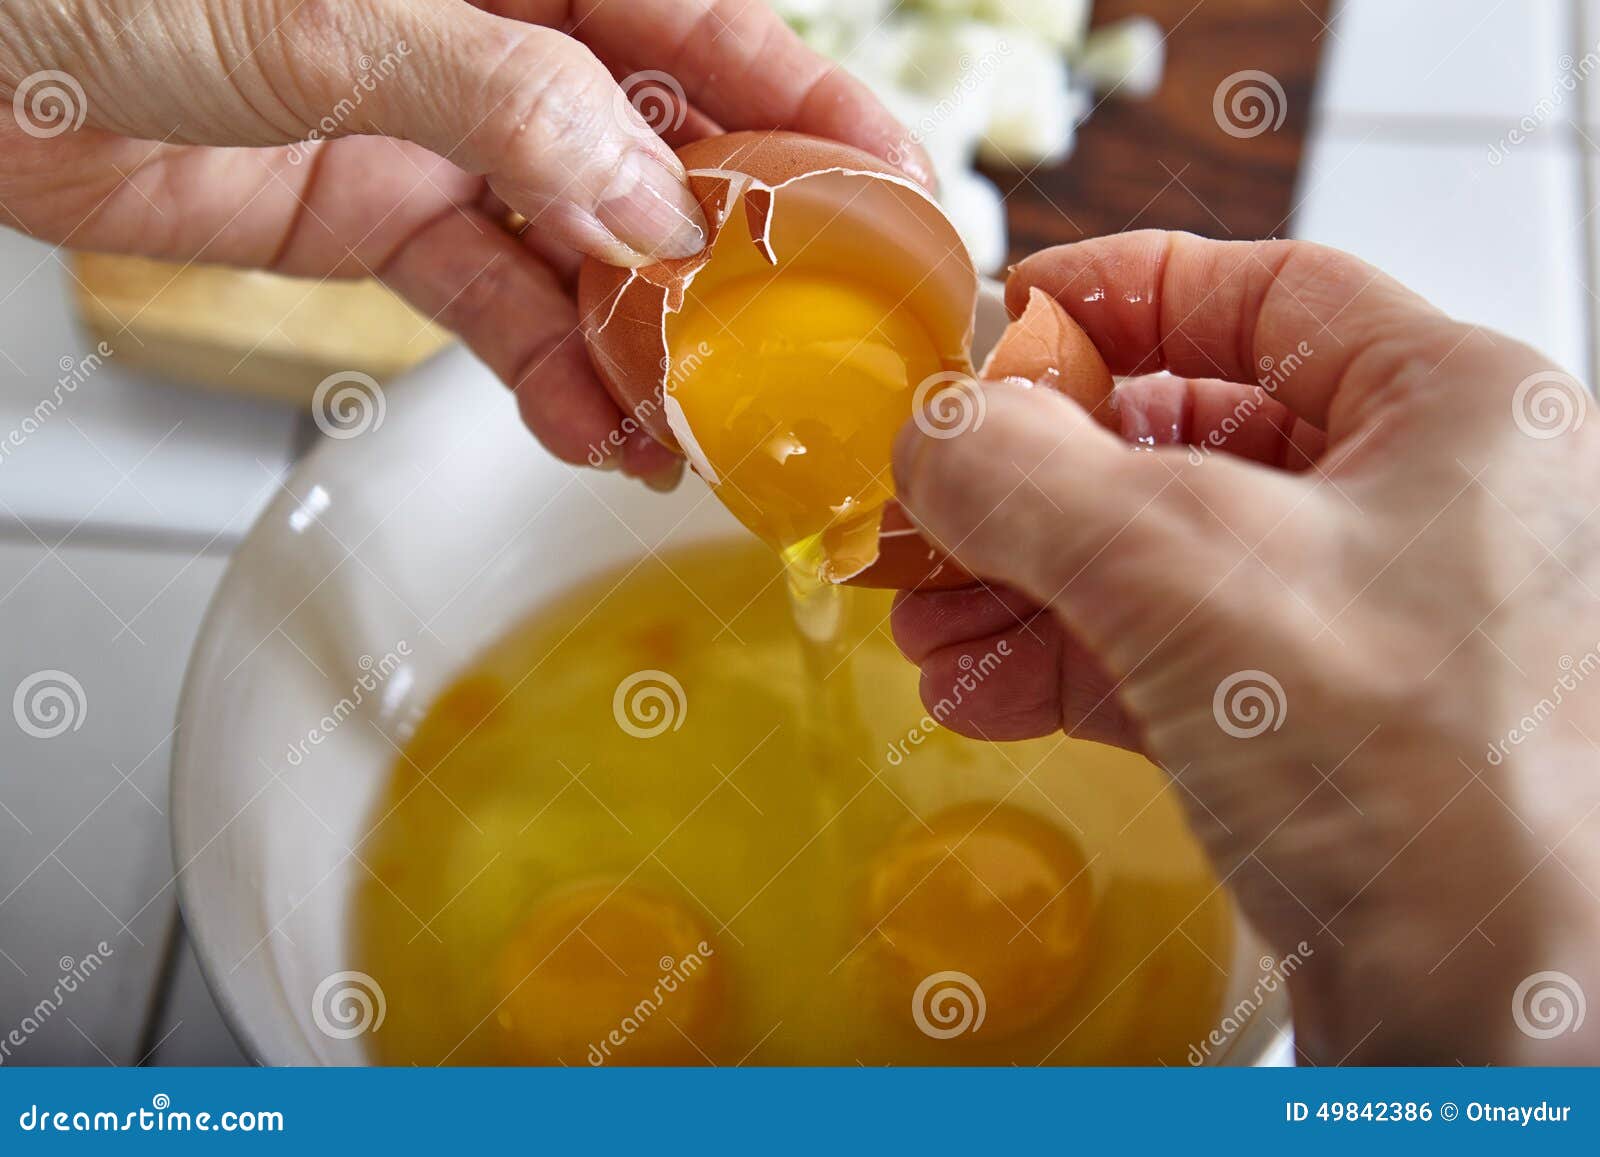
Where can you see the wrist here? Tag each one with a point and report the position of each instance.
(1478, 943)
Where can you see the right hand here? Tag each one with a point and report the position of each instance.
(1391, 543)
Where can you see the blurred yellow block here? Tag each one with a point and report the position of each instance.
(247, 332)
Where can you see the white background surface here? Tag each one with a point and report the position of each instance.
(116, 518)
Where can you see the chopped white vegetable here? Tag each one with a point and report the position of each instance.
(946, 8)
(949, 72)
(944, 55)
(1126, 58)
(979, 213)
(1063, 23)
(987, 78)
(1034, 111)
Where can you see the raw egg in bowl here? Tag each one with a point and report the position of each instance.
(485, 760)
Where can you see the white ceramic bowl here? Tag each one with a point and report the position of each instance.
(436, 528)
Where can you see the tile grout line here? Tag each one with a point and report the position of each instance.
(143, 538)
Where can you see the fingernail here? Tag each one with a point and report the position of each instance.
(665, 481)
(648, 208)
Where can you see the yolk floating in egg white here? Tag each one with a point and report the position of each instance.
(718, 892)
(582, 962)
(989, 891)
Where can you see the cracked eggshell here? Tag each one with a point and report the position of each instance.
(1044, 346)
(771, 201)
(862, 214)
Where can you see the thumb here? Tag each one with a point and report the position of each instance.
(1124, 544)
(538, 113)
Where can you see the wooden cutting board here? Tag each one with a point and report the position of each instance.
(1166, 162)
(244, 332)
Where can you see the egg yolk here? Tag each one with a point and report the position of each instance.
(993, 893)
(602, 963)
(794, 385)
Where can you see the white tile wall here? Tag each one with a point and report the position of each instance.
(1447, 59)
(1500, 245)
(96, 643)
(1415, 97)
(1450, 151)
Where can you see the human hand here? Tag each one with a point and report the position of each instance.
(428, 121)
(1353, 610)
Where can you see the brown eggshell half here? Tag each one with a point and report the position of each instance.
(624, 311)
(1044, 346)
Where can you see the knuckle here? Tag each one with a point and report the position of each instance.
(547, 94)
(298, 58)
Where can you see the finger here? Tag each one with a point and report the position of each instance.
(645, 458)
(923, 622)
(562, 259)
(994, 667)
(469, 275)
(743, 67)
(739, 64)
(541, 116)
(676, 120)
(1215, 417)
(1126, 546)
(1154, 300)
(696, 126)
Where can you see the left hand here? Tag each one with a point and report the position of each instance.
(429, 121)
